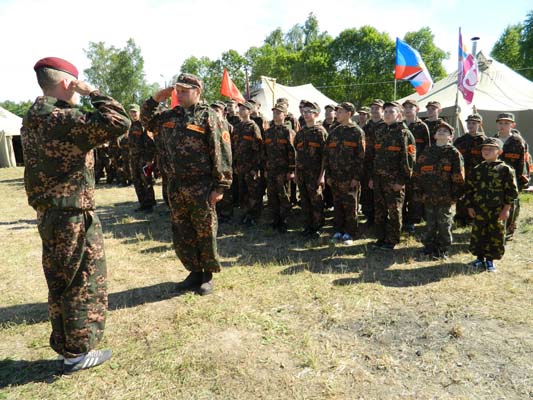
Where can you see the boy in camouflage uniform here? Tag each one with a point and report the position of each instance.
(344, 157)
(469, 145)
(248, 146)
(197, 158)
(309, 144)
(392, 159)
(438, 180)
(412, 209)
(514, 153)
(433, 120)
(490, 192)
(280, 162)
(58, 141)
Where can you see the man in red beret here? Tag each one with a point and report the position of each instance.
(58, 141)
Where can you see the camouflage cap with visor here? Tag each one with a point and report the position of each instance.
(189, 81)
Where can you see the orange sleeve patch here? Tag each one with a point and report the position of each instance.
(350, 144)
(226, 137)
(394, 148)
(411, 149)
(169, 124)
(426, 168)
(447, 168)
(195, 128)
(313, 144)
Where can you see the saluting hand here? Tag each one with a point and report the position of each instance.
(81, 87)
(163, 94)
(215, 197)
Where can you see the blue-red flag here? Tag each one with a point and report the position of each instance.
(410, 67)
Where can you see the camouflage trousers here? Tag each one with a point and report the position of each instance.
(488, 235)
(143, 184)
(312, 201)
(461, 213)
(123, 169)
(75, 269)
(367, 201)
(413, 211)
(514, 212)
(345, 202)
(279, 197)
(194, 225)
(225, 206)
(251, 199)
(438, 230)
(388, 205)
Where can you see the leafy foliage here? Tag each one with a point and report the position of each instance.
(19, 108)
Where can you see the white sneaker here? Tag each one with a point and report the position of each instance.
(347, 239)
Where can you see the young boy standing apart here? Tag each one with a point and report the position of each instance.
(490, 191)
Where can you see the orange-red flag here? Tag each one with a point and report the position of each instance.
(229, 89)
(174, 99)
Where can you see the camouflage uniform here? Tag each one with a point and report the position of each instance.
(514, 153)
(328, 192)
(248, 144)
(225, 206)
(197, 160)
(103, 164)
(309, 143)
(280, 161)
(433, 126)
(367, 194)
(438, 180)
(58, 140)
(393, 157)
(344, 157)
(489, 187)
(414, 210)
(469, 147)
(124, 162)
(234, 120)
(142, 150)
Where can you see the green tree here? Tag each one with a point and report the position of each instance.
(526, 47)
(507, 48)
(19, 108)
(117, 72)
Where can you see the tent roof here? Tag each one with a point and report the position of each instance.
(10, 123)
(270, 91)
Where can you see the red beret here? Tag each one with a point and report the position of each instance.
(57, 63)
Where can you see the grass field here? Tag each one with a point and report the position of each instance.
(288, 319)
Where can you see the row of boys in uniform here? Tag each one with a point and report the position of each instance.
(403, 165)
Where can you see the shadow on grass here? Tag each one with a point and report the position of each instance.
(34, 313)
(22, 372)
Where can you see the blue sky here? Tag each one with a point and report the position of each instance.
(170, 31)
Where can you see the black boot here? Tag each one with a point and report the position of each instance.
(207, 284)
(193, 280)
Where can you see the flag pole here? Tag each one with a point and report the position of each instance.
(395, 81)
(457, 86)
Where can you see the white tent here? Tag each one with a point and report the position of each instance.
(499, 89)
(10, 125)
(269, 91)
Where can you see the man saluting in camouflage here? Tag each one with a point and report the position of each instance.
(58, 140)
(198, 159)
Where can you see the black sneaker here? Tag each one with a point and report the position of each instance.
(207, 284)
(88, 360)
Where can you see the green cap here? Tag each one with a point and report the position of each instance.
(134, 107)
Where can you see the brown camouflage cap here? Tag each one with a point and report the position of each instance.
(393, 104)
(282, 100)
(189, 81)
(505, 117)
(364, 110)
(134, 107)
(282, 107)
(312, 106)
(411, 102)
(475, 118)
(248, 105)
(347, 106)
(444, 124)
(218, 104)
(377, 102)
(492, 142)
(435, 104)
(332, 106)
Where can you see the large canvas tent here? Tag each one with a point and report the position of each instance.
(10, 125)
(499, 89)
(269, 91)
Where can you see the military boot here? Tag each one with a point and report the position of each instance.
(207, 284)
(193, 280)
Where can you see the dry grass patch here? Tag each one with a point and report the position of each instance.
(289, 319)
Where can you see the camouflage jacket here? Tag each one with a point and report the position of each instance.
(310, 144)
(514, 153)
(370, 129)
(57, 141)
(469, 147)
(438, 177)
(491, 186)
(291, 119)
(329, 126)
(420, 132)
(194, 144)
(233, 120)
(248, 145)
(344, 155)
(141, 146)
(279, 151)
(261, 122)
(393, 154)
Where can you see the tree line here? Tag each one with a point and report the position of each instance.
(357, 65)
